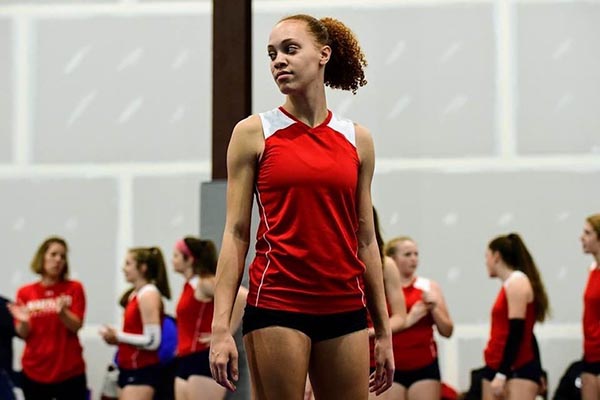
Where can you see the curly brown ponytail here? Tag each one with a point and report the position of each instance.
(345, 69)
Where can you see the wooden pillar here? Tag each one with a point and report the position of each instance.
(232, 75)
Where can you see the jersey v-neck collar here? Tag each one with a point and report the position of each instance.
(306, 126)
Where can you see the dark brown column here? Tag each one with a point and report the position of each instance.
(232, 75)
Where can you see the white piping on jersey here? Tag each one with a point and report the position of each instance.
(362, 293)
(262, 279)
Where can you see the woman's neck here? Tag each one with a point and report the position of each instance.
(308, 108)
(503, 271)
(137, 285)
(49, 280)
(406, 280)
(188, 274)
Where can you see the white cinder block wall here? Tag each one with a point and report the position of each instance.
(484, 115)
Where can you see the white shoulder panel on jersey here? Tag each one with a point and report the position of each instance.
(147, 288)
(423, 284)
(345, 127)
(194, 281)
(273, 121)
(594, 265)
(513, 275)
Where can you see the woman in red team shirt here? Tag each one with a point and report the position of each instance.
(196, 260)
(415, 351)
(137, 357)
(512, 368)
(48, 314)
(317, 267)
(590, 377)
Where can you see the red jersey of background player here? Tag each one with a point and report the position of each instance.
(194, 320)
(499, 332)
(591, 316)
(129, 356)
(414, 347)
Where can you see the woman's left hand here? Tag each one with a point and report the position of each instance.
(383, 377)
(498, 384)
(109, 334)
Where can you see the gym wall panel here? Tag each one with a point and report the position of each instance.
(558, 72)
(470, 352)
(453, 216)
(109, 93)
(6, 91)
(84, 212)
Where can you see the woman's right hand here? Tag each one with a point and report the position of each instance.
(19, 312)
(417, 311)
(224, 359)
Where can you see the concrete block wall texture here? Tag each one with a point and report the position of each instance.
(482, 112)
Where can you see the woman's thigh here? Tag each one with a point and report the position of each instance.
(396, 392)
(590, 386)
(339, 367)
(521, 389)
(424, 390)
(137, 392)
(278, 360)
(204, 387)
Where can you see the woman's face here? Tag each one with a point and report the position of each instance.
(180, 264)
(589, 240)
(491, 258)
(130, 269)
(406, 257)
(295, 56)
(55, 260)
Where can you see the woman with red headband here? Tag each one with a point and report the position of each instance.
(196, 260)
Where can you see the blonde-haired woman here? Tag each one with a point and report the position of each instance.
(48, 314)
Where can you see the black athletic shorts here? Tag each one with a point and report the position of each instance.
(316, 327)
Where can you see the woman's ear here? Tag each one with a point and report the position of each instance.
(143, 268)
(325, 55)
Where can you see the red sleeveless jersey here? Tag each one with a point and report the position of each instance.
(414, 347)
(500, 328)
(52, 353)
(129, 356)
(306, 251)
(194, 319)
(591, 316)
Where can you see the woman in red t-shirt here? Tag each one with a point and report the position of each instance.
(512, 368)
(48, 314)
(590, 377)
(196, 260)
(138, 341)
